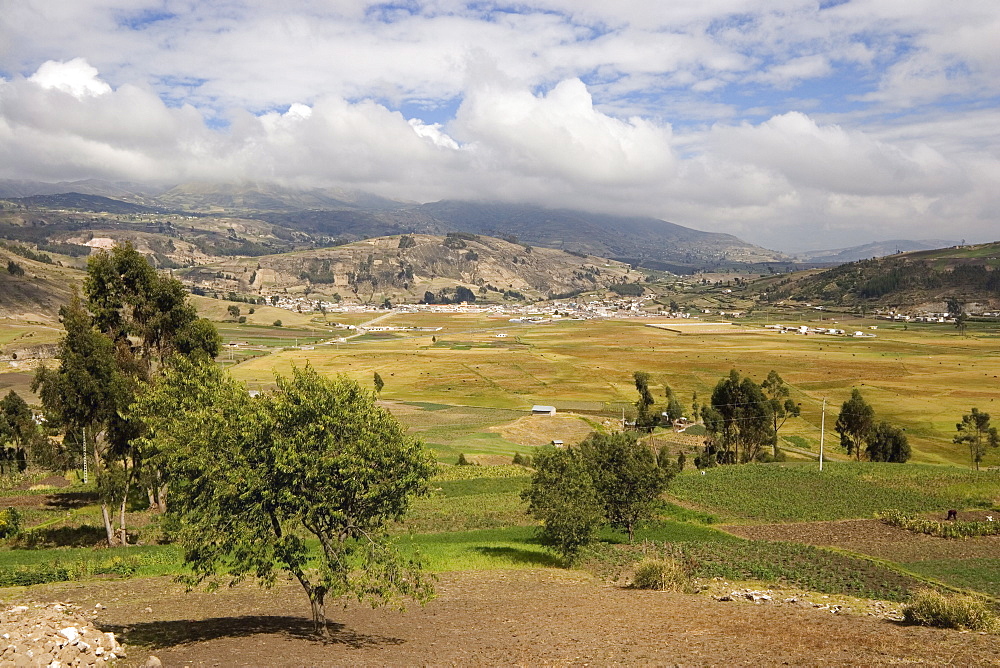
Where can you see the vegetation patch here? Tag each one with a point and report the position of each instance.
(953, 529)
(800, 492)
(949, 611)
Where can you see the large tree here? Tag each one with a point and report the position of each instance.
(782, 406)
(133, 320)
(86, 397)
(739, 419)
(888, 444)
(562, 497)
(626, 477)
(855, 424)
(253, 477)
(976, 432)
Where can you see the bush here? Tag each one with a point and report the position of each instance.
(242, 319)
(660, 574)
(463, 461)
(10, 523)
(277, 323)
(931, 608)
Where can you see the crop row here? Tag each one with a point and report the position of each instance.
(953, 529)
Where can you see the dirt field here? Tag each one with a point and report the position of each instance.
(501, 618)
(876, 539)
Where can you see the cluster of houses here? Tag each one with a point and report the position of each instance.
(829, 331)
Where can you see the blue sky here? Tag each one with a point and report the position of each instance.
(791, 123)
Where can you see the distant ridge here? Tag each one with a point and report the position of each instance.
(874, 249)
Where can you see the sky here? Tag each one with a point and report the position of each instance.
(792, 124)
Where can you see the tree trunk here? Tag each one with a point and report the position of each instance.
(161, 498)
(316, 601)
(108, 527)
(121, 520)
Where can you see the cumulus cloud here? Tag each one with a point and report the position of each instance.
(773, 119)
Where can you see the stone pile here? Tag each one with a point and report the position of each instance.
(53, 635)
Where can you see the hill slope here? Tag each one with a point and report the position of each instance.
(405, 267)
(969, 273)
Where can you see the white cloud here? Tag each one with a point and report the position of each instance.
(774, 119)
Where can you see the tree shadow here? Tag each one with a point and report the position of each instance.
(161, 634)
(71, 500)
(520, 556)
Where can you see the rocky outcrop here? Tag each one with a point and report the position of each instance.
(55, 635)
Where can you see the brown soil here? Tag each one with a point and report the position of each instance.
(876, 539)
(501, 618)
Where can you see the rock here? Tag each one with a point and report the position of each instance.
(152, 662)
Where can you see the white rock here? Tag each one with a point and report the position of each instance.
(70, 633)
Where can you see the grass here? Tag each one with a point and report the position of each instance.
(800, 492)
(976, 574)
(921, 378)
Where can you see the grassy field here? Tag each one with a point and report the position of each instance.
(922, 378)
(800, 492)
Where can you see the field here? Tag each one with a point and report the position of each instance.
(922, 378)
(806, 536)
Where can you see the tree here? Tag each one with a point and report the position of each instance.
(18, 433)
(674, 408)
(782, 407)
(14, 269)
(253, 477)
(888, 444)
(86, 397)
(739, 420)
(855, 424)
(562, 497)
(975, 431)
(956, 308)
(643, 419)
(379, 383)
(234, 310)
(626, 477)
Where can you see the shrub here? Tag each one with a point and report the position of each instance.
(277, 323)
(463, 461)
(931, 608)
(660, 574)
(242, 319)
(10, 523)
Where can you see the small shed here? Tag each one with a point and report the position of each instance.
(556, 442)
(543, 410)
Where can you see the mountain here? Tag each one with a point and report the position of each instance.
(83, 202)
(325, 216)
(404, 268)
(264, 197)
(874, 249)
(968, 273)
(118, 189)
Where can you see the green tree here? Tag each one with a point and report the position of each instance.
(86, 398)
(855, 424)
(674, 408)
(888, 444)
(739, 420)
(562, 497)
(626, 477)
(14, 269)
(253, 477)
(379, 383)
(644, 418)
(975, 431)
(234, 310)
(782, 407)
(19, 434)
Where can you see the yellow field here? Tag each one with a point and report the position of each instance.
(922, 379)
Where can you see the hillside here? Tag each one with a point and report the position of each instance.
(969, 273)
(872, 250)
(38, 292)
(403, 268)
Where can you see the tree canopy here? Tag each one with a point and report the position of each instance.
(253, 477)
(739, 419)
(855, 424)
(976, 432)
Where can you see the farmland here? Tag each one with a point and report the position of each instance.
(464, 391)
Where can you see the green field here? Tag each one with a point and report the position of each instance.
(923, 379)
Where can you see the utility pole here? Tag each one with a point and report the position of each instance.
(86, 478)
(822, 432)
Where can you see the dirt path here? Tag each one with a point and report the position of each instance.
(528, 617)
